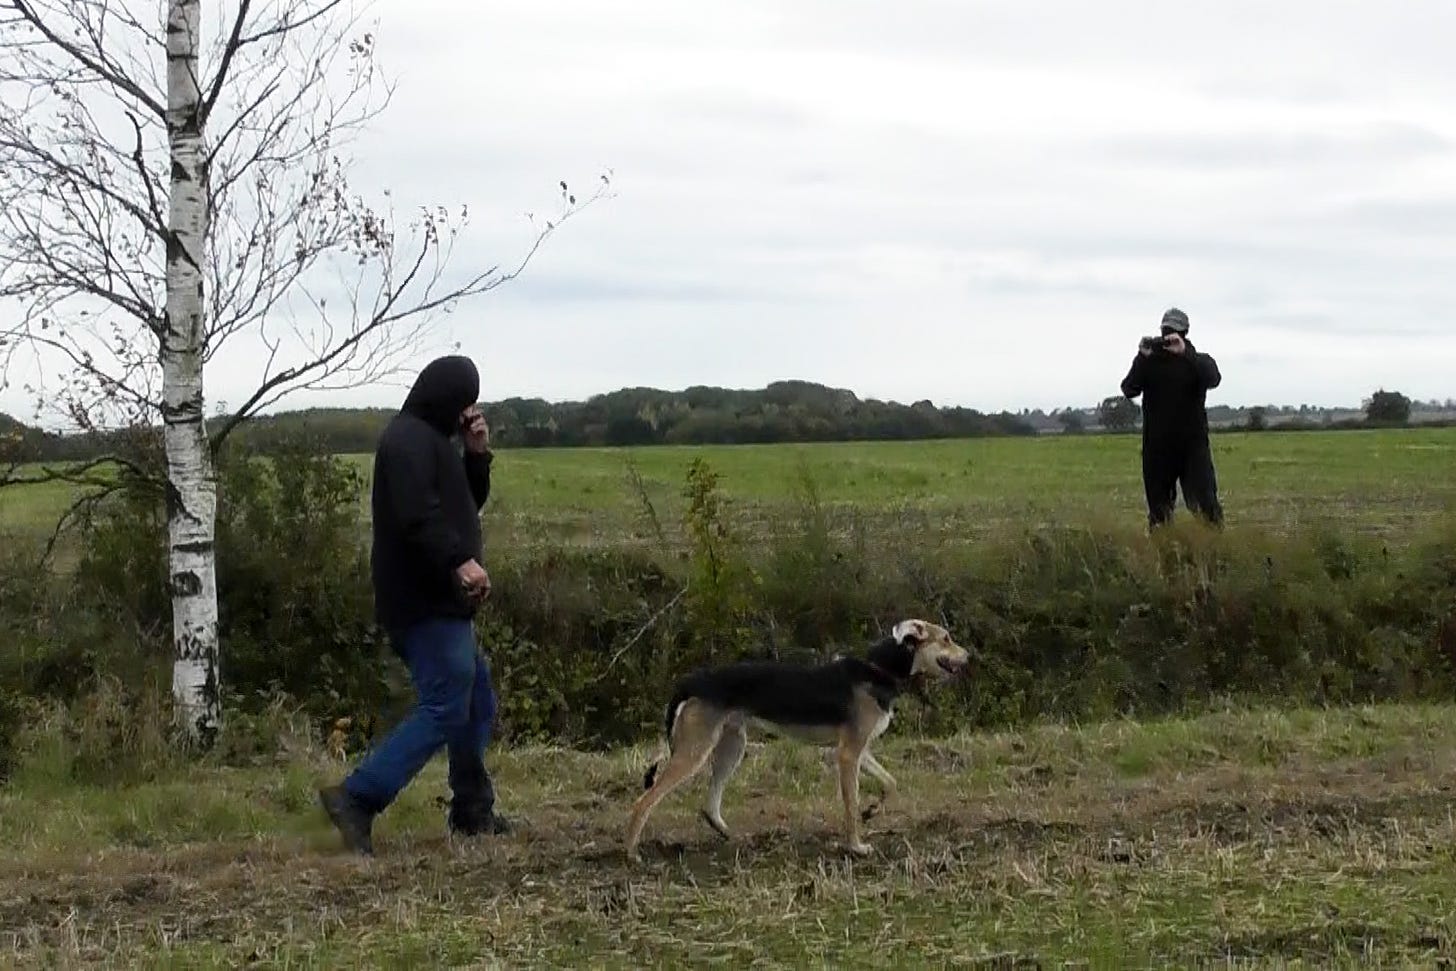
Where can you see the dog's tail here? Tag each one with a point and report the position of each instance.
(673, 706)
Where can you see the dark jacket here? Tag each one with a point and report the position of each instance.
(426, 500)
(1174, 388)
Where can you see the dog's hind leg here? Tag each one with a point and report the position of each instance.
(694, 735)
(891, 787)
(727, 756)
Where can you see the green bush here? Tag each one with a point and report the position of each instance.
(294, 601)
(1066, 622)
(295, 604)
(14, 715)
(559, 631)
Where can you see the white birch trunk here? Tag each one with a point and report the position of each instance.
(191, 484)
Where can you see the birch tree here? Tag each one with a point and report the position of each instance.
(174, 186)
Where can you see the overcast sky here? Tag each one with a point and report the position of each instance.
(977, 203)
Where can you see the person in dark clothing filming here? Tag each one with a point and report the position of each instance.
(1174, 379)
(428, 584)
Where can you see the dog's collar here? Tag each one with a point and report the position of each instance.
(886, 674)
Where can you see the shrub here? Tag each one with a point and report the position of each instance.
(294, 597)
(294, 602)
(1066, 622)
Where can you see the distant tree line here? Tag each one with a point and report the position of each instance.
(787, 411)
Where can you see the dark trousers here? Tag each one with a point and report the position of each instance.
(1186, 465)
(455, 711)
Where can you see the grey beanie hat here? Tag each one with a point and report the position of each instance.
(1176, 320)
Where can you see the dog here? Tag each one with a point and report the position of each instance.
(846, 703)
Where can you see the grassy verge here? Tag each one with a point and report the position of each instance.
(1256, 838)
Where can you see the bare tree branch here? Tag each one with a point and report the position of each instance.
(138, 157)
(284, 25)
(61, 170)
(237, 40)
(95, 61)
(328, 288)
(234, 41)
(83, 473)
(83, 506)
(396, 302)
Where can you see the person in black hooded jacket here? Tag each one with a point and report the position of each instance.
(1174, 379)
(428, 584)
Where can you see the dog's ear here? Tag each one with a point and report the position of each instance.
(907, 631)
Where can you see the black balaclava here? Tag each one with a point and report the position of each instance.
(445, 388)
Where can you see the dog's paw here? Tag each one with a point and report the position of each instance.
(716, 825)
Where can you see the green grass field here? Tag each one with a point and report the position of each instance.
(1240, 839)
(1389, 482)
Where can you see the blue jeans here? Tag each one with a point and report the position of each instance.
(455, 710)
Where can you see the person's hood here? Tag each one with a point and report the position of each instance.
(445, 388)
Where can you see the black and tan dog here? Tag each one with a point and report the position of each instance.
(846, 703)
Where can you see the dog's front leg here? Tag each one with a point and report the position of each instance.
(850, 750)
(887, 781)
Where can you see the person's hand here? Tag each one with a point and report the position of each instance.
(1144, 350)
(474, 430)
(474, 580)
(1175, 344)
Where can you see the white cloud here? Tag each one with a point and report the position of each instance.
(981, 203)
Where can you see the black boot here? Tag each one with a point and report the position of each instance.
(472, 808)
(474, 816)
(470, 823)
(353, 821)
(472, 803)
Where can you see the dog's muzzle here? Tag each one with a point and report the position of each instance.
(953, 667)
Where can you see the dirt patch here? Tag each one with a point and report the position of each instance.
(1320, 818)
(937, 757)
(569, 861)
(264, 884)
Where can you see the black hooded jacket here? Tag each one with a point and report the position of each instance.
(426, 500)
(1174, 389)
